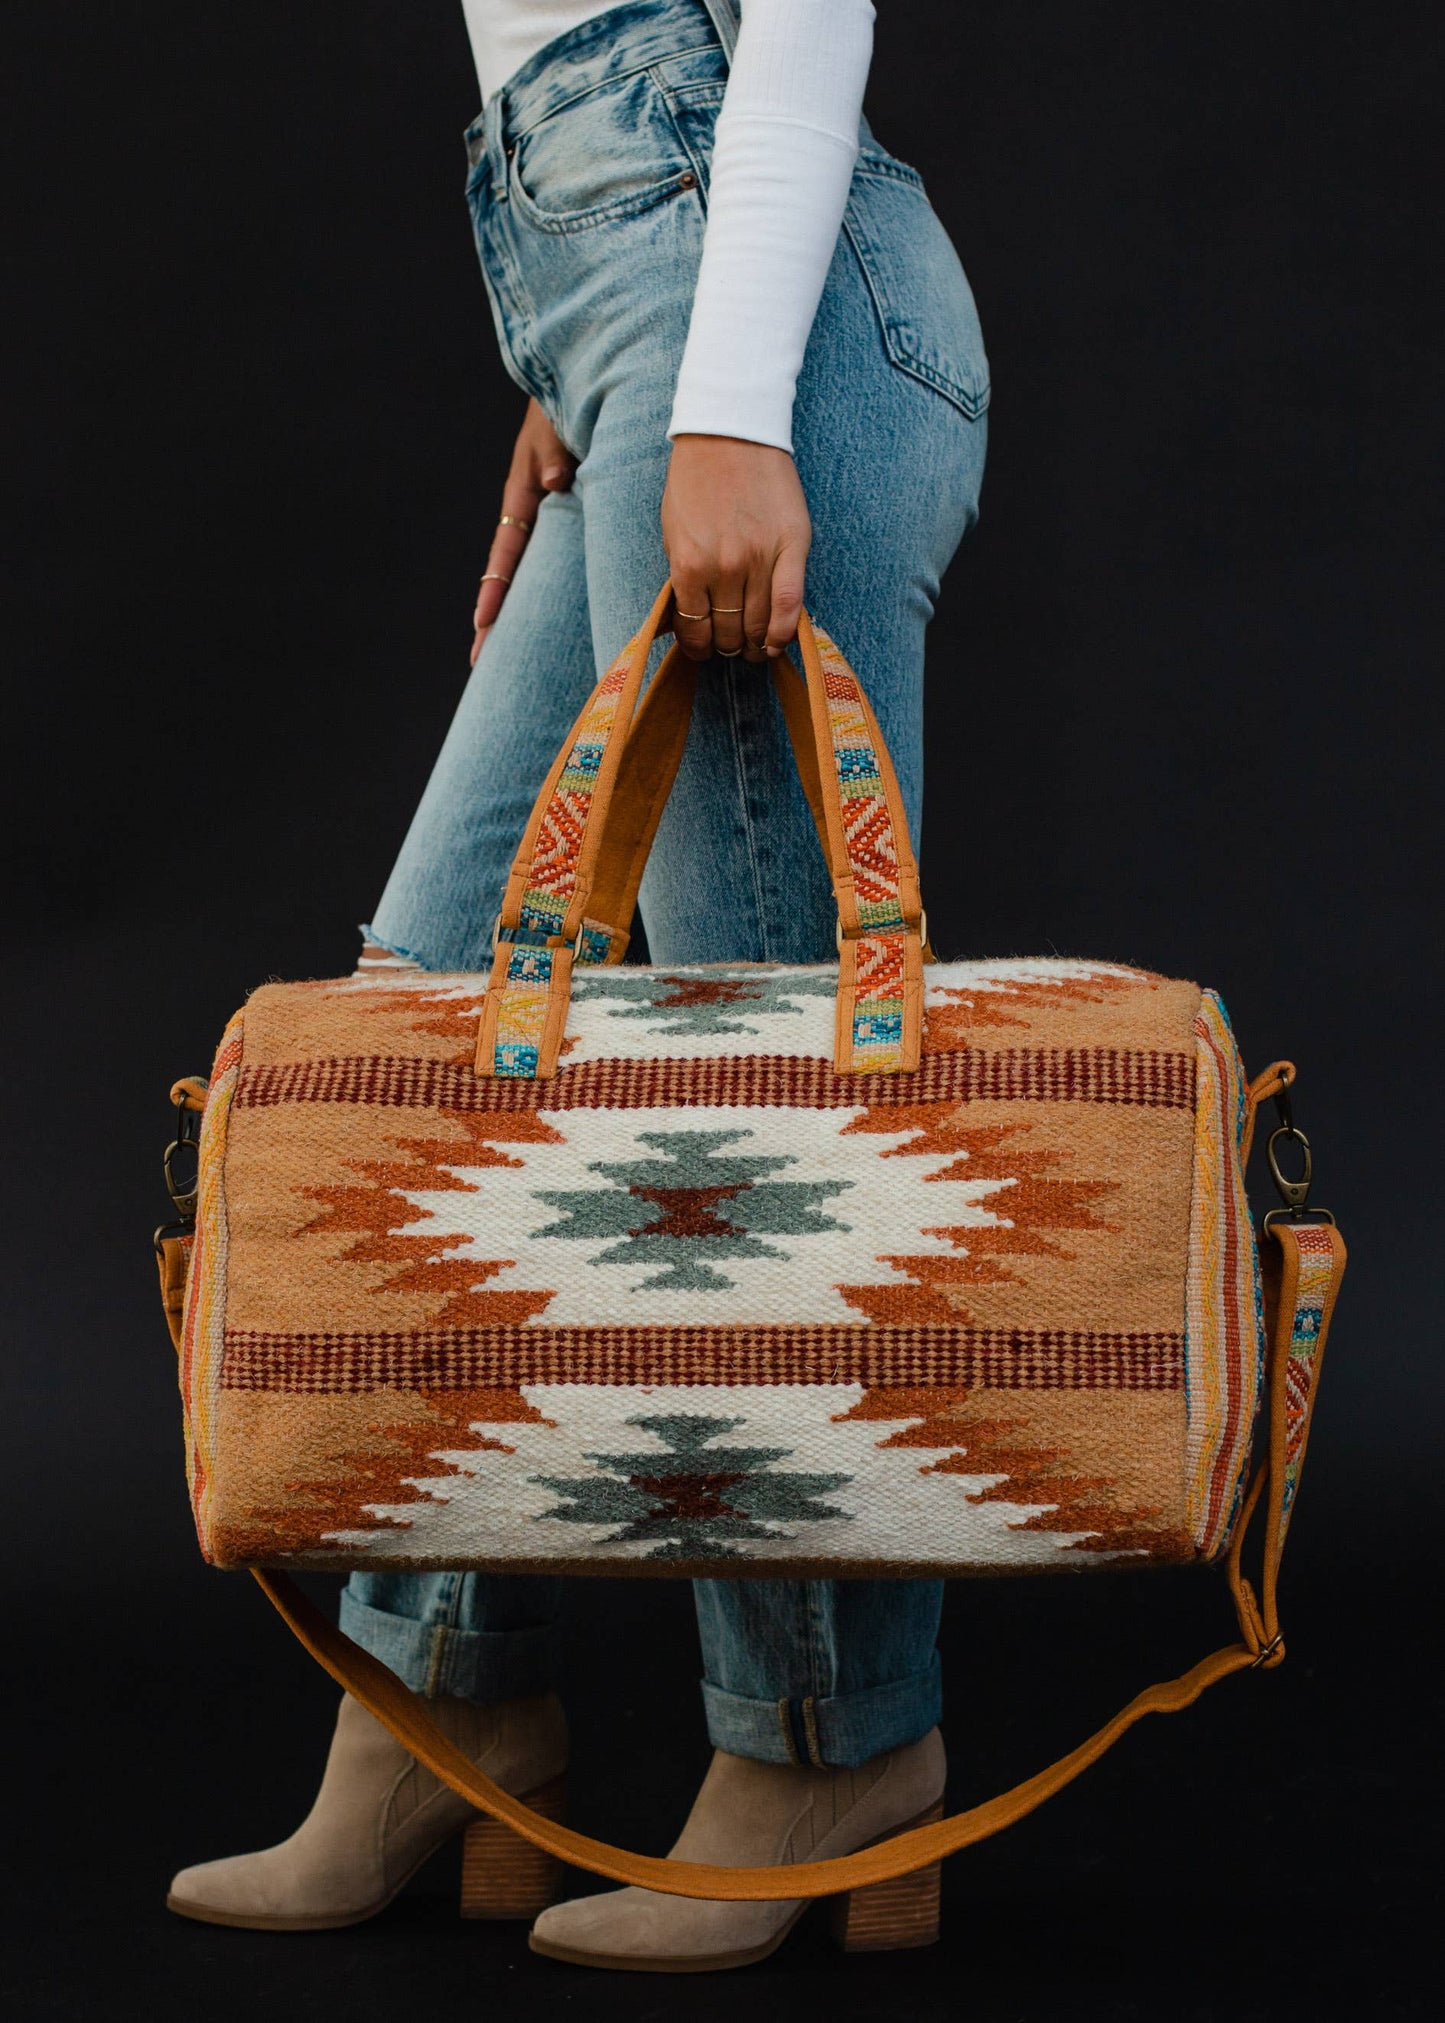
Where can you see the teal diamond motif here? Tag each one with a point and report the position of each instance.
(690, 1500)
(692, 1208)
(701, 1005)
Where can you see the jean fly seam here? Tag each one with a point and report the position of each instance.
(519, 313)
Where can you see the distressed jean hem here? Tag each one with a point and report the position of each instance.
(442, 1662)
(841, 1730)
(369, 934)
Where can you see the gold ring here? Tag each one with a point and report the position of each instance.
(694, 617)
(507, 520)
(726, 610)
(495, 576)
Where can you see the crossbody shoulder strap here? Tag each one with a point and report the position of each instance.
(1306, 1260)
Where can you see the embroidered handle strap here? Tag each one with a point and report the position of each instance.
(1307, 1260)
(862, 830)
(574, 880)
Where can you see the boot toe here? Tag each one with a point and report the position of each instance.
(265, 1894)
(642, 1929)
(218, 1891)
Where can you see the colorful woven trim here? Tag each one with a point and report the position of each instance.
(1224, 1313)
(203, 1342)
(1318, 1261)
(878, 1007)
(558, 848)
(594, 944)
(882, 957)
(867, 823)
(523, 1004)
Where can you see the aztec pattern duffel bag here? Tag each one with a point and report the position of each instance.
(887, 1265)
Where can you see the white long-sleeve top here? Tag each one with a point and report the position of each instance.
(787, 137)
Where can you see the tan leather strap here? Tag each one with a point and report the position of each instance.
(650, 760)
(645, 779)
(173, 1260)
(1309, 1260)
(383, 1695)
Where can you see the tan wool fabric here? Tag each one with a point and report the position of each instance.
(701, 1303)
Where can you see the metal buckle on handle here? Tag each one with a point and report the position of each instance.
(842, 933)
(526, 937)
(1294, 1193)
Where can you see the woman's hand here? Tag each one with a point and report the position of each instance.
(736, 529)
(541, 463)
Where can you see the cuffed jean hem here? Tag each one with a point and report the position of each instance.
(841, 1730)
(442, 1662)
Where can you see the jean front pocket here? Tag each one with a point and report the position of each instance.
(925, 306)
(610, 154)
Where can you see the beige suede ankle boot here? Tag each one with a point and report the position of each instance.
(751, 1813)
(379, 1815)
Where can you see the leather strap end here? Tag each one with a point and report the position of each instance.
(173, 1257)
(524, 1013)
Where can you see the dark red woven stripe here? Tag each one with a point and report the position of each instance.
(1017, 1074)
(452, 1359)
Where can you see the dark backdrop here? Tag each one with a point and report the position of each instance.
(1182, 712)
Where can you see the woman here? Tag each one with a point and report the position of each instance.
(727, 304)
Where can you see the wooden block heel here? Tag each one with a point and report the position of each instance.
(886, 1917)
(504, 1876)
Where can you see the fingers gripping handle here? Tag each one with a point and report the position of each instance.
(576, 873)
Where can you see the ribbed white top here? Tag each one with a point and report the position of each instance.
(787, 137)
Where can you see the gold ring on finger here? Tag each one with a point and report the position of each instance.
(727, 610)
(510, 520)
(695, 617)
(495, 576)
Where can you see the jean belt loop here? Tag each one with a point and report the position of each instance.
(496, 117)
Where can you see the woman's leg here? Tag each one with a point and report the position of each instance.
(463, 1636)
(478, 1647)
(479, 1636)
(820, 1671)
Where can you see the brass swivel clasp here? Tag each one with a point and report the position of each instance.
(181, 1167)
(1293, 1192)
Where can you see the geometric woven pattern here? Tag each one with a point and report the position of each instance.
(698, 1300)
(1317, 1271)
(873, 857)
(559, 841)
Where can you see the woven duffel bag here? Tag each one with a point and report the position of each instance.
(886, 1266)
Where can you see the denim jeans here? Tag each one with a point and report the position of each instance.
(587, 188)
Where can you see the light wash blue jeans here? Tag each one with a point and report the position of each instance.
(587, 191)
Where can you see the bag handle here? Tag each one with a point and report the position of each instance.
(1307, 1260)
(574, 876)
(650, 761)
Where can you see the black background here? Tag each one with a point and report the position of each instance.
(1182, 713)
